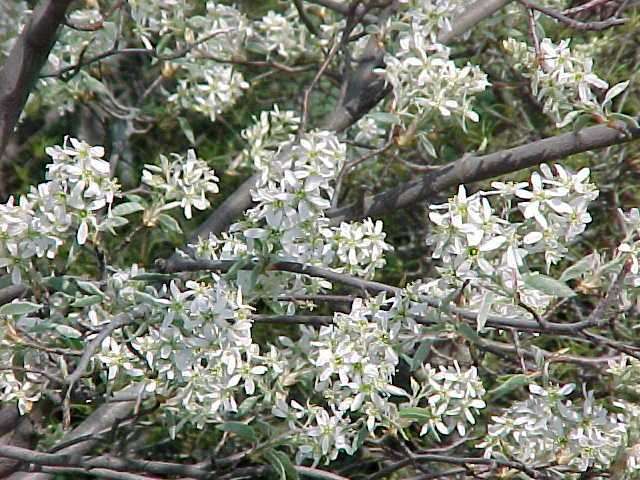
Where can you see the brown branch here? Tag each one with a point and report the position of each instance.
(495, 321)
(28, 55)
(471, 168)
(105, 417)
(468, 19)
(134, 51)
(8, 294)
(572, 23)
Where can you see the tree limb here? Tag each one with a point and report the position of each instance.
(105, 417)
(471, 168)
(28, 55)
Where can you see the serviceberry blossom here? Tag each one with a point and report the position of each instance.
(451, 398)
(266, 135)
(490, 244)
(548, 428)
(426, 83)
(563, 80)
(71, 203)
(181, 181)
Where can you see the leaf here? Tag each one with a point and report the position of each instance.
(469, 333)
(247, 405)
(67, 331)
(485, 308)
(89, 287)
(362, 436)
(548, 285)
(289, 470)
(126, 208)
(421, 354)
(512, 383)
(62, 284)
(614, 91)
(168, 223)
(385, 118)
(88, 301)
(628, 120)
(415, 413)
(281, 464)
(274, 460)
(143, 297)
(186, 129)
(240, 429)
(19, 308)
(577, 269)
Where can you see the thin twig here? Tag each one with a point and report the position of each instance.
(572, 23)
(307, 92)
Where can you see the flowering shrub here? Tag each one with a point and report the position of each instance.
(287, 336)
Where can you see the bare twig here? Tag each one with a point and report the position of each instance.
(572, 23)
(307, 92)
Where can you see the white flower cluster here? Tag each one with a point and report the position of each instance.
(23, 393)
(549, 429)
(563, 80)
(205, 86)
(209, 89)
(452, 397)
(295, 186)
(432, 16)
(353, 364)
(480, 242)
(198, 344)
(158, 16)
(368, 131)
(426, 83)
(292, 193)
(79, 187)
(182, 181)
(265, 136)
(281, 35)
(359, 246)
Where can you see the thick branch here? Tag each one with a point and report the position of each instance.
(468, 19)
(469, 169)
(28, 55)
(102, 419)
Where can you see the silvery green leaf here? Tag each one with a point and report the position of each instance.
(126, 208)
(547, 285)
(19, 308)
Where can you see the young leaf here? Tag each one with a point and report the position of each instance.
(548, 285)
(126, 208)
(186, 129)
(512, 383)
(240, 429)
(19, 308)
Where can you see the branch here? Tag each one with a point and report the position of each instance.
(468, 19)
(471, 168)
(495, 321)
(28, 55)
(8, 294)
(105, 417)
(572, 23)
